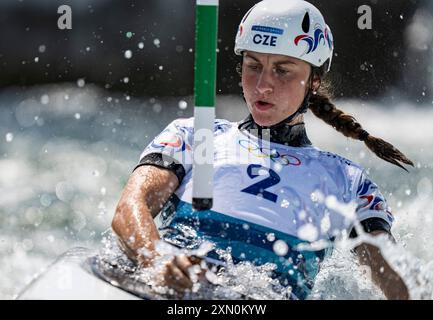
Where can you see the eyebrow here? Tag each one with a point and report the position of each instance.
(275, 63)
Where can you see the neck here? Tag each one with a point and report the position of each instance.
(288, 133)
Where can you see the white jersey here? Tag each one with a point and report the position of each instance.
(264, 192)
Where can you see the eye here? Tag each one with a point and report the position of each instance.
(253, 67)
(281, 71)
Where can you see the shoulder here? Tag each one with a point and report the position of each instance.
(333, 160)
(339, 159)
(220, 125)
(183, 122)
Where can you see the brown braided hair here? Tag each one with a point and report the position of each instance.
(322, 107)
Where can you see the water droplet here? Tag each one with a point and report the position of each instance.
(280, 248)
(77, 116)
(36, 59)
(81, 82)
(9, 137)
(161, 68)
(278, 166)
(157, 108)
(45, 99)
(64, 191)
(128, 54)
(302, 215)
(325, 224)
(126, 80)
(308, 232)
(317, 196)
(79, 221)
(34, 216)
(27, 111)
(87, 49)
(156, 42)
(140, 45)
(183, 104)
(51, 238)
(129, 34)
(42, 48)
(285, 203)
(408, 192)
(66, 97)
(102, 208)
(103, 191)
(46, 200)
(270, 237)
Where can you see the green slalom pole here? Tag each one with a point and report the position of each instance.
(206, 34)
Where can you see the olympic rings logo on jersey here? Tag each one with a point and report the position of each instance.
(273, 154)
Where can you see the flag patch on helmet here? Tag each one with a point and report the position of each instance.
(313, 43)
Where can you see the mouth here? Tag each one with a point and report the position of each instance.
(263, 105)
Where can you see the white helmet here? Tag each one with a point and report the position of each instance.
(293, 28)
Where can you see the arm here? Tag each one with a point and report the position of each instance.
(382, 274)
(146, 191)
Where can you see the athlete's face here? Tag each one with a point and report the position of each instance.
(274, 85)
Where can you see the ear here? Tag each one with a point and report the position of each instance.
(316, 82)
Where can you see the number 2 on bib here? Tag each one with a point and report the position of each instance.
(258, 188)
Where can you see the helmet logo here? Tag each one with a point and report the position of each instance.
(265, 39)
(314, 42)
(306, 23)
(267, 29)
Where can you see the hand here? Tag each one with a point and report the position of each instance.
(176, 273)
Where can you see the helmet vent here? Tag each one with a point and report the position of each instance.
(306, 23)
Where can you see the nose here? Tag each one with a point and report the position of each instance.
(264, 83)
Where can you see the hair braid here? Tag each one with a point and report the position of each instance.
(323, 108)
